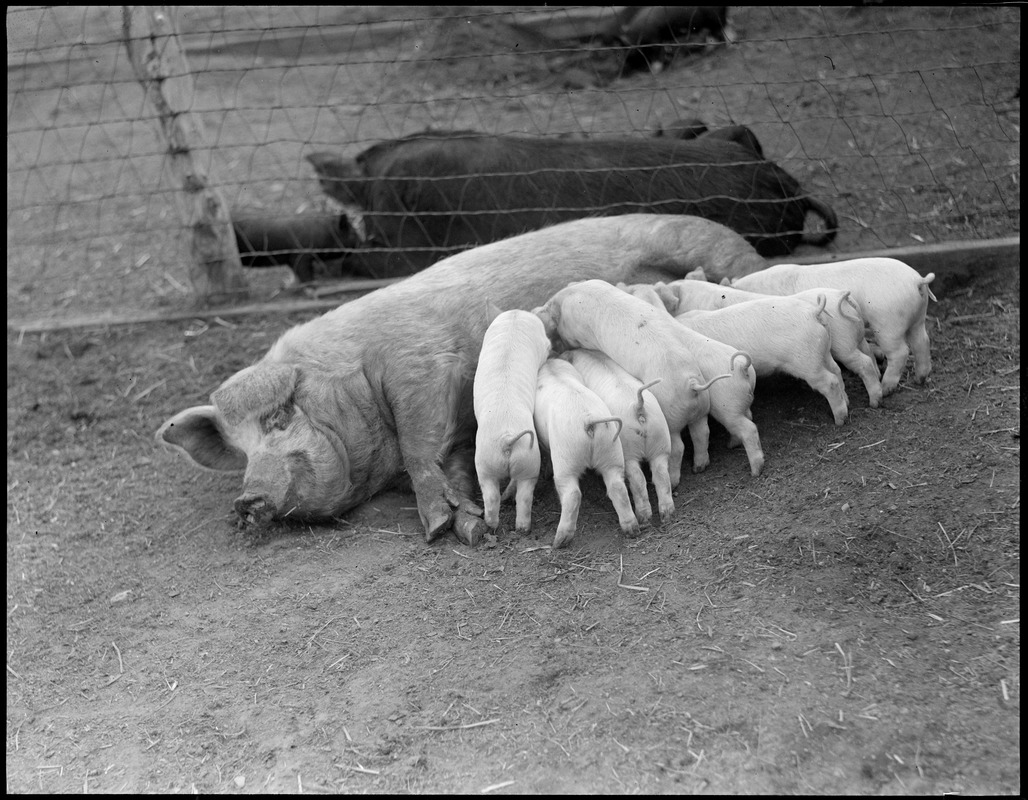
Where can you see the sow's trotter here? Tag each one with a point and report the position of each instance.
(340, 407)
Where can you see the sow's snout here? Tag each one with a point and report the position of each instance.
(270, 490)
(254, 508)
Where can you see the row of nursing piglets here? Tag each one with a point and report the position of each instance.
(380, 389)
(425, 196)
(691, 366)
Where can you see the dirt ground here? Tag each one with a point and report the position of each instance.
(848, 622)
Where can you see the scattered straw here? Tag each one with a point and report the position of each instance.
(621, 575)
(456, 727)
(847, 666)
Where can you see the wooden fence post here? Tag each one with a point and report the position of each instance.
(160, 65)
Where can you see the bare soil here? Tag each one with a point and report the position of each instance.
(848, 622)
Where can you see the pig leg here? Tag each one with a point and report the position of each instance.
(675, 458)
(490, 500)
(570, 501)
(745, 431)
(614, 478)
(920, 344)
(699, 432)
(640, 494)
(896, 352)
(863, 365)
(458, 469)
(525, 493)
(829, 384)
(662, 483)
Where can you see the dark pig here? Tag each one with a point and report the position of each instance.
(343, 406)
(298, 241)
(653, 33)
(436, 194)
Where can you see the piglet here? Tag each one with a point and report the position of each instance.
(846, 326)
(892, 298)
(698, 374)
(781, 334)
(514, 347)
(573, 425)
(645, 435)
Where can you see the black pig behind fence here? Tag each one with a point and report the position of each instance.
(903, 120)
(436, 191)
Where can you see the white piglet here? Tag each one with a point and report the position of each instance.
(580, 432)
(698, 374)
(780, 334)
(849, 347)
(515, 346)
(892, 298)
(645, 436)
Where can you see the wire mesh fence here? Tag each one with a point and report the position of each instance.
(905, 120)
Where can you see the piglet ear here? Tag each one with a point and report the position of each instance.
(199, 433)
(669, 297)
(261, 387)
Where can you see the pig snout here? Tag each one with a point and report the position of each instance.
(254, 508)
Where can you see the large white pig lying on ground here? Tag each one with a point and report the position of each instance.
(780, 334)
(696, 372)
(578, 429)
(515, 346)
(849, 347)
(343, 406)
(892, 298)
(644, 435)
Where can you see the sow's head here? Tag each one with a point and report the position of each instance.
(265, 420)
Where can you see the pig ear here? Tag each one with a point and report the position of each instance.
(550, 317)
(262, 387)
(199, 433)
(668, 297)
(725, 282)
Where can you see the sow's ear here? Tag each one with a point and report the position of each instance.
(198, 433)
(261, 387)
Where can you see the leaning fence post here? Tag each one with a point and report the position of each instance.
(160, 65)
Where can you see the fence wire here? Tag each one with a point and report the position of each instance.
(905, 120)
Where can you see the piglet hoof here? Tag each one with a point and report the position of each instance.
(563, 539)
(632, 531)
(667, 515)
(468, 529)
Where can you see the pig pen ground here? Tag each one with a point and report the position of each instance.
(848, 622)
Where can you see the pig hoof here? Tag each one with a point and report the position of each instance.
(468, 529)
(437, 523)
(632, 531)
(666, 517)
(563, 539)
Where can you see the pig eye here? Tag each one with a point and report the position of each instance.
(278, 419)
